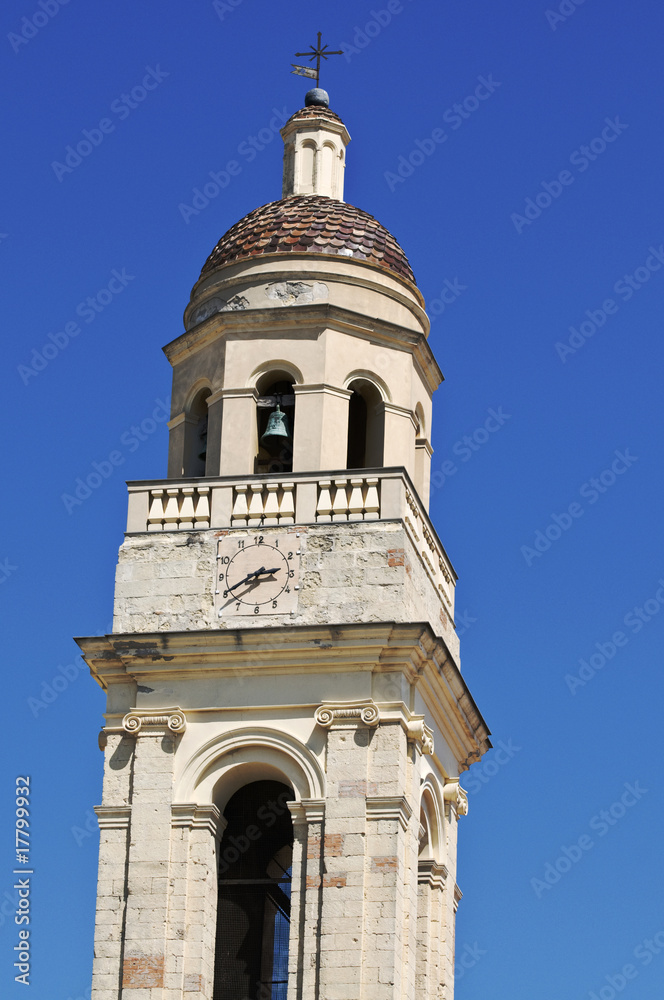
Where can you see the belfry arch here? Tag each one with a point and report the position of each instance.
(366, 424)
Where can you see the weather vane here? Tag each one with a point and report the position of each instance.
(314, 53)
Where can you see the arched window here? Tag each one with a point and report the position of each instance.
(275, 454)
(253, 909)
(196, 427)
(366, 426)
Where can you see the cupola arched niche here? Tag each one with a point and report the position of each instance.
(366, 422)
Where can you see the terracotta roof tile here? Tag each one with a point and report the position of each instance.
(310, 224)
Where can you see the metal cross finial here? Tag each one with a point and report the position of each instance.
(316, 53)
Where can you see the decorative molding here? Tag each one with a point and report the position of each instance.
(456, 797)
(418, 731)
(363, 713)
(154, 723)
(389, 807)
(113, 817)
(198, 817)
(307, 811)
(430, 872)
(457, 896)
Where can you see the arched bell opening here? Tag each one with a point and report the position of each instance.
(254, 892)
(366, 426)
(195, 438)
(275, 413)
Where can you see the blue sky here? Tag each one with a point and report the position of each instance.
(538, 208)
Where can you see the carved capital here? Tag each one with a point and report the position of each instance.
(418, 731)
(113, 817)
(307, 811)
(430, 872)
(361, 713)
(393, 807)
(153, 722)
(198, 817)
(456, 797)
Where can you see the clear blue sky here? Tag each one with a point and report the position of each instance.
(530, 235)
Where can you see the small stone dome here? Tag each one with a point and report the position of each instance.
(306, 224)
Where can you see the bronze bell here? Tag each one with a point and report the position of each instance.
(277, 428)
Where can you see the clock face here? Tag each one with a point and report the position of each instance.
(257, 574)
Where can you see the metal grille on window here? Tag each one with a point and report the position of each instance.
(253, 908)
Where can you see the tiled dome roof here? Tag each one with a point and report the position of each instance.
(314, 111)
(310, 224)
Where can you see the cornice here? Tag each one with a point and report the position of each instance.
(312, 317)
(411, 648)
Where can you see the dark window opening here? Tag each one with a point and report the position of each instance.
(275, 454)
(366, 426)
(196, 429)
(253, 909)
(357, 432)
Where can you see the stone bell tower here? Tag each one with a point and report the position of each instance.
(286, 721)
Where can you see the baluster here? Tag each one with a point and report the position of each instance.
(256, 505)
(272, 504)
(340, 504)
(187, 509)
(172, 512)
(287, 505)
(240, 509)
(372, 501)
(324, 505)
(156, 513)
(202, 515)
(356, 502)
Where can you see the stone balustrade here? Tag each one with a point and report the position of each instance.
(299, 498)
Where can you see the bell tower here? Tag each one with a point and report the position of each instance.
(286, 719)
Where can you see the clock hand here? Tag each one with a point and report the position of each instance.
(249, 576)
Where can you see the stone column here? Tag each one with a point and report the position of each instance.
(192, 904)
(456, 805)
(148, 870)
(342, 878)
(215, 415)
(390, 890)
(113, 818)
(430, 927)
(303, 949)
(321, 427)
(239, 432)
(400, 428)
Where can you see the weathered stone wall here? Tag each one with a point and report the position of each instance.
(350, 572)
